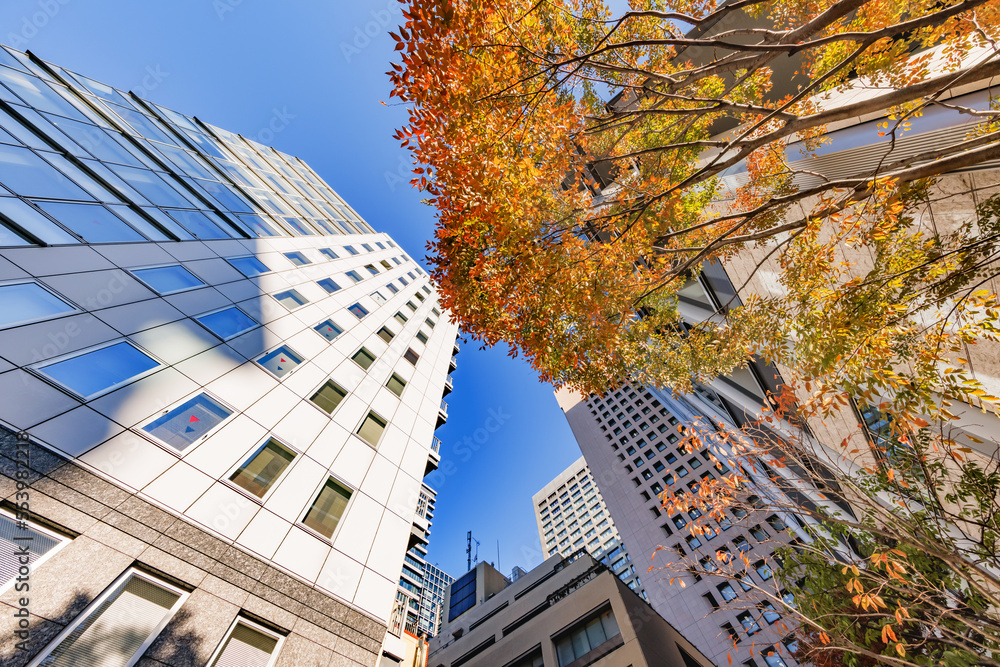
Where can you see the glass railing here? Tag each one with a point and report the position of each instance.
(444, 408)
(436, 445)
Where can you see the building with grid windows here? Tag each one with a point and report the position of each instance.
(221, 387)
(571, 515)
(436, 582)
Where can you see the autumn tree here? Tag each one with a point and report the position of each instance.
(585, 167)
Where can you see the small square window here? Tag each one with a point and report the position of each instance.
(420, 297)
(351, 249)
(329, 396)
(328, 329)
(422, 337)
(100, 370)
(363, 358)
(371, 428)
(280, 362)
(328, 284)
(411, 356)
(227, 323)
(367, 247)
(188, 422)
(329, 253)
(393, 288)
(404, 281)
(411, 306)
(380, 246)
(259, 472)
(377, 297)
(397, 260)
(396, 384)
(168, 279)
(426, 289)
(437, 313)
(354, 275)
(358, 310)
(28, 302)
(386, 265)
(248, 266)
(297, 258)
(412, 277)
(371, 269)
(328, 508)
(429, 322)
(401, 318)
(385, 334)
(291, 299)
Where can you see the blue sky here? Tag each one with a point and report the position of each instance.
(307, 76)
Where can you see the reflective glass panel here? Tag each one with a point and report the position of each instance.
(259, 472)
(168, 279)
(227, 323)
(329, 396)
(93, 372)
(328, 329)
(94, 223)
(281, 361)
(248, 266)
(28, 175)
(328, 284)
(27, 301)
(33, 222)
(328, 508)
(291, 299)
(188, 422)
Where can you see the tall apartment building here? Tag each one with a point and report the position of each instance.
(633, 435)
(571, 515)
(225, 383)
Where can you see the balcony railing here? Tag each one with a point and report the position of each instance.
(436, 445)
(444, 409)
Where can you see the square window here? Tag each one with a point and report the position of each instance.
(429, 322)
(411, 306)
(328, 284)
(328, 329)
(420, 297)
(401, 318)
(367, 247)
(248, 266)
(297, 258)
(329, 253)
(354, 275)
(386, 265)
(168, 279)
(291, 299)
(188, 422)
(328, 508)
(329, 396)
(350, 249)
(377, 297)
(358, 310)
(363, 358)
(371, 269)
(227, 323)
(371, 428)
(34, 544)
(393, 288)
(411, 356)
(263, 468)
(280, 362)
(403, 281)
(422, 337)
(247, 644)
(100, 370)
(27, 302)
(396, 384)
(385, 334)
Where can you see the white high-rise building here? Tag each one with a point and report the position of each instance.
(571, 515)
(227, 385)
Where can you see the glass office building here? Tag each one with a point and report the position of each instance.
(227, 385)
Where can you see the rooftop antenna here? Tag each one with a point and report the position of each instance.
(468, 550)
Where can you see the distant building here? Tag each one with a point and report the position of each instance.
(567, 612)
(571, 515)
(436, 582)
